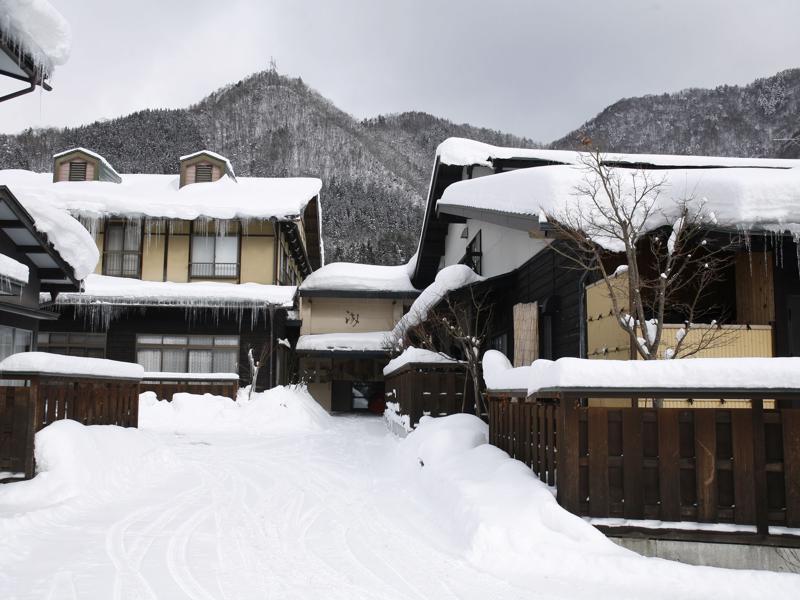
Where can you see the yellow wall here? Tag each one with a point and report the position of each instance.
(330, 315)
(99, 241)
(258, 259)
(178, 258)
(153, 258)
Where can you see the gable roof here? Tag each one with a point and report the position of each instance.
(226, 164)
(107, 172)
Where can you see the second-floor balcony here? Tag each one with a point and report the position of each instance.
(214, 270)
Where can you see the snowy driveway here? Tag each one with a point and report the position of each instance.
(279, 516)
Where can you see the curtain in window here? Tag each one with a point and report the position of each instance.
(173, 361)
(200, 361)
(225, 361)
(6, 341)
(202, 249)
(149, 359)
(227, 251)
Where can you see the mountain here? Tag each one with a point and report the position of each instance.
(729, 120)
(375, 172)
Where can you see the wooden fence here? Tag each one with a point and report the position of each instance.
(708, 465)
(430, 389)
(24, 410)
(166, 387)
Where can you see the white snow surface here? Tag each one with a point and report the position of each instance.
(342, 511)
(447, 280)
(285, 408)
(154, 375)
(370, 341)
(700, 373)
(13, 269)
(343, 276)
(464, 152)
(104, 289)
(752, 199)
(413, 355)
(39, 29)
(159, 196)
(44, 363)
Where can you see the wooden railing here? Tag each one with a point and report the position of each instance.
(214, 270)
(708, 465)
(166, 385)
(430, 389)
(25, 409)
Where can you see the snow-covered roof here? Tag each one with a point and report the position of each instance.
(122, 291)
(214, 155)
(111, 172)
(13, 269)
(360, 278)
(373, 341)
(463, 152)
(689, 373)
(44, 363)
(447, 280)
(159, 196)
(37, 29)
(416, 356)
(751, 198)
(68, 237)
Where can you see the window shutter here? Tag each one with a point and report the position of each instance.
(526, 333)
(77, 170)
(202, 173)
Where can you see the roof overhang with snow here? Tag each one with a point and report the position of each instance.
(356, 280)
(373, 344)
(54, 273)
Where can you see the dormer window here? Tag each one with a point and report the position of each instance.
(77, 170)
(204, 167)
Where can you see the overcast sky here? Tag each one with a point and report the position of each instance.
(532, 67)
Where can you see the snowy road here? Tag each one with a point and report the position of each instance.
(279, 516)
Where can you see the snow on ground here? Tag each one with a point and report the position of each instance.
(344, 511)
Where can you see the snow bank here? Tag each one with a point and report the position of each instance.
(464, 152)
(92, 462)
(279, 410)
(342, 276)
(700, 373)
(751, 199)
(159, 196)
(507, 522)
(447, 280)
(124, 291)
(413, 355)
(13, 269)
(38, 29)
(371, 341)
(57, 364)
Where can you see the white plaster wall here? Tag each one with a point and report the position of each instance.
(503, 249)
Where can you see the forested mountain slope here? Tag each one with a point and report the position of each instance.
(375, 172)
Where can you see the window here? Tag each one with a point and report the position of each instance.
(203, 173)
(92, 345)
(215, 255)
(473, 254)
(188, 353)
(12, 341)
(499, 343)
(123, 249)
(77, 170)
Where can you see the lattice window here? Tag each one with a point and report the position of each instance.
(203, 173)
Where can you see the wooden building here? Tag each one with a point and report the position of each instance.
(348, 312)
(196, 269)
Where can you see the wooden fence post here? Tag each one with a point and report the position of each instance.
(567, 474)
(34, 418)
(760, 467)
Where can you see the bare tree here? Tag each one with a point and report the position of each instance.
(458, 321)
(669, 257)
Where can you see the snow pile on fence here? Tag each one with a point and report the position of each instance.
(279, 410)
(94, 463)
(44, 363)
(371, 341)
(13, 270)
(398, 423)
(504, 520)
(38, 29)
(413, 355)
(159, 196)
(342, 276)
(750, 199)
(465, 152)
(694, 373)
(447, 280)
